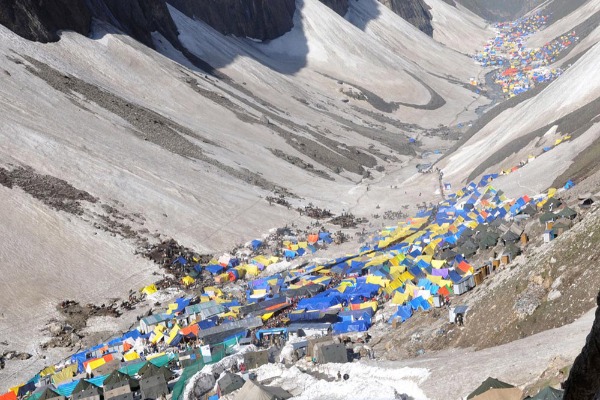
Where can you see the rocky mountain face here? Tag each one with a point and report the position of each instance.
(39, 20)
(339, 6)
(138, 18)
(500, 10)
(257, 19)
(414, 11)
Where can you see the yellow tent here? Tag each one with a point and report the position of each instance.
(188, 280)
(150, 289)
(131, 355)
(64, 374)
(48, 371)
(266, 316)
(378, 280)
(400, 298)
(151, 356)
(438, 264)
(92, 365)
(173, 333)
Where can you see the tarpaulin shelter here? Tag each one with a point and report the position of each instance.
(489, 383)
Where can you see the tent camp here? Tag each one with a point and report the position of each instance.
(228, 383)
(491, 387)
(255, 391)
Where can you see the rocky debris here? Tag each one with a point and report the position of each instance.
(15, 355)
(314, 212)
(347, 220)
(298, 162)
(67, 332)
(280, 200)
(529, 300)
(256, 19)
(204, 383)
(175, 259)
(54, 192)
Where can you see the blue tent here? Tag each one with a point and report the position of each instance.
(255, 244)
(214, 269)
(404, 313)
(419, 302)
(344, 327)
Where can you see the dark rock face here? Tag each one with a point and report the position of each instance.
(500, 10)
(137, 18)
(584, 379)
(414, 11)
(339, 6)
(257, 19)
(39, 20)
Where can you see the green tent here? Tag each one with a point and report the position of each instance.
(488, 384)
(548, 393)
(547, 217)
(568, 213)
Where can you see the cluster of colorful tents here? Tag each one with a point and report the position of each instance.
(531, 157)
(522, 68)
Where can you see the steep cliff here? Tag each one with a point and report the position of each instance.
(257, 19)
(414, 11)
(40, 20)
(584, 378)
(137, 18)
(339, 6)
(500, 10)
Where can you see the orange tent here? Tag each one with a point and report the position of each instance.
(314, 238)
(464, 267)
(193, 329)
(10, 395)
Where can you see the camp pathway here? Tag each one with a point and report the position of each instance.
(457, 372)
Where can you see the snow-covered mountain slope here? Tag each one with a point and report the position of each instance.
(168, 151)
(323, 48)
(458, 28)
(569, 103)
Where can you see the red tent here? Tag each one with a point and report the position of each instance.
(510, 71)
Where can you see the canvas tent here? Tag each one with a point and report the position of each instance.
(331, 353)
(116, 387)
(50, 393)
(153, 381)
(255, 391)
(86, 391)
(489, 384)
(254, 359)
(501, 394)
(548, 393)
(228, 383)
